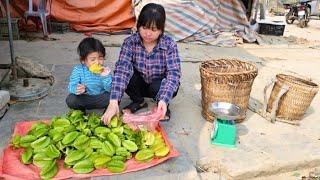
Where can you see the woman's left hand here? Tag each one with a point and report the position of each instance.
(162, 107)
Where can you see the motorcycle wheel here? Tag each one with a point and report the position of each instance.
(302, 23)
(308, 13)
(289, 21)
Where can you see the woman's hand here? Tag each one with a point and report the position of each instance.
(105, 71)
(113, 109)
(162, 107)
(80, 89)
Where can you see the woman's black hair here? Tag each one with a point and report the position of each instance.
(89, 45)
(152, 14)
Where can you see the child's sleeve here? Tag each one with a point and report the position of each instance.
(107, 82)
(74, 80)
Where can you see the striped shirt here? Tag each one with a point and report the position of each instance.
(95, 84)
(162, 62)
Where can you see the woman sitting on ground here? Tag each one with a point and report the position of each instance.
(148, 66)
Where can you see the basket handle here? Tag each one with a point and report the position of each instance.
(265, 99)
(275, 103)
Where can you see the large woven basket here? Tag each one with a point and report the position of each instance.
(226, 81)
(295, 102)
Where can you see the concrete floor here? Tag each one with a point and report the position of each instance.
(263, 148)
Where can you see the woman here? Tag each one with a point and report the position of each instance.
(148, 66)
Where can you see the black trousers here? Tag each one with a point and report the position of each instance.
(85, 101)
(137, 88)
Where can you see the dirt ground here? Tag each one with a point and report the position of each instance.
(301, 46)
(297, 52)
(296, 45)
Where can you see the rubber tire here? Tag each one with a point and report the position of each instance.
(302, 23)
(289, 21)
(308, 12)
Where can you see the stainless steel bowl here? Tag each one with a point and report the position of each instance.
(225, 111)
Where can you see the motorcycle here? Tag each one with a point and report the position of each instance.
(298, 11)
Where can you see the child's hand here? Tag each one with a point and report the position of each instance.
(81, 89)
(105, 71)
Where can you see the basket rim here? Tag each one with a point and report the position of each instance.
(252, 71)
(297, 81)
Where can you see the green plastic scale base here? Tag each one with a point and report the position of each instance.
(224, 133)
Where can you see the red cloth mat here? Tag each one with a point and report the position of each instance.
(12, 168)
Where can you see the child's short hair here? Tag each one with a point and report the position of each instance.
(89, 45)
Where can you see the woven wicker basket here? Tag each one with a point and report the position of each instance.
(294, 103)
(227, 81)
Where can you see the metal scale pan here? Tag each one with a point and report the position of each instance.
(225, 111)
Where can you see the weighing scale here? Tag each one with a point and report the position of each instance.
(224, 130)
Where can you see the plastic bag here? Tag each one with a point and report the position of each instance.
(144, 121)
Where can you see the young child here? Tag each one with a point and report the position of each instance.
(90, 81)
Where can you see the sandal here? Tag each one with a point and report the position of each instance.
(134, 106)
(167, 116)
